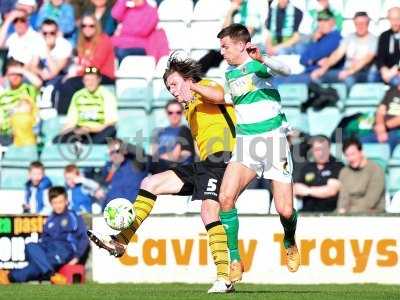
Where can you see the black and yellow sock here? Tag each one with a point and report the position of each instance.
(142, 206)
(219, 248)
(289, 226)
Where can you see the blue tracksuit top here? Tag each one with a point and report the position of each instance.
(69, 230)
(320, 49)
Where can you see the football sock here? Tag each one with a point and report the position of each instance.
(230, 221)
(217, 241)
(289, 226)
(142, 206)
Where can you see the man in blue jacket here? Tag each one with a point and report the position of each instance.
(63, 241)
(326, 39)
(36, 189)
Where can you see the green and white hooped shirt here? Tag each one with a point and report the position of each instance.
(257, 103)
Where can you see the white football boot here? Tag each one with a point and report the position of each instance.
(221, 286)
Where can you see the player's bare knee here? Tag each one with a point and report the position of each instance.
(285, 211)
(226, 201)
(149, 184)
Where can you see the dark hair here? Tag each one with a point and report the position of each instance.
(187, 68)
(172, 102)
(236, 32)
(49, 22)
(14, 63)
(319, 138)
(36, 165)
(351, 142)
(360, 14)
(118, 145)
(56, 191)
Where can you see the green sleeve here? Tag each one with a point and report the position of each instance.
(262, 70)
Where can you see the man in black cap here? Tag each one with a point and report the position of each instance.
(92, 114)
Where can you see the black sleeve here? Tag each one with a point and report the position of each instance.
(268, 20)
(380, 56)
(336, 169)
(185, 139)
(300, 178)
(389, 96)
(298, 16)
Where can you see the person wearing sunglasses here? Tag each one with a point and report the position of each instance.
(94, 49)
(54, 55)
(22, 44)
(173, 143)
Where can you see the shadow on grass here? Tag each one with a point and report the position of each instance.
(278, 291)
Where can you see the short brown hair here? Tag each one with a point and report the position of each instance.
(36, 165)
(56, 191)
(71, 169)
(237, 32)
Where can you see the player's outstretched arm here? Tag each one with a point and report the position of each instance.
(277, 67)
(211, 94)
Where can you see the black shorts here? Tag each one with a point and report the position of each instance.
(203, 179)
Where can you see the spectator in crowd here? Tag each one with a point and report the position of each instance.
(23, 121)
(51, 62)
(327, 40)
(252, 14)
(137, 33)
(94, 49)
(10, 97)
(22, 45)
(324, 5)
(6, 6)
(30, 8)
(92, 115)
(80, 190)
(102, 10)
(359, 50)
(362, 182)
(174, 142)
(387, 120)
(388, 55)
(61, 12)
(318, 183)
(123, 174)
(283, 24)
(63, 241)
(36, 190)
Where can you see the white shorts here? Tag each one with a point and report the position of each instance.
(267, 154)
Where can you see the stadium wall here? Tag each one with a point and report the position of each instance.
(333, 250)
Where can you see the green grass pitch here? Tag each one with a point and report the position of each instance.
(197, 291)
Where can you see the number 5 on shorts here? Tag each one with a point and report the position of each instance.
(212, 185)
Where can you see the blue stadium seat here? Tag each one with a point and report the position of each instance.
(324, 121)
(296, 119)
(60, 155)
(13, 178)
(132, 124)
(292, 94)
(56, 175)
(20, 156)
(379, 153)
(51, 128)
(366, 94)
(393, 184)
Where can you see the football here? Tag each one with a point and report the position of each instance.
(119, 214)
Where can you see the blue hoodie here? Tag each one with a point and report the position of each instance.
(44, 184)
